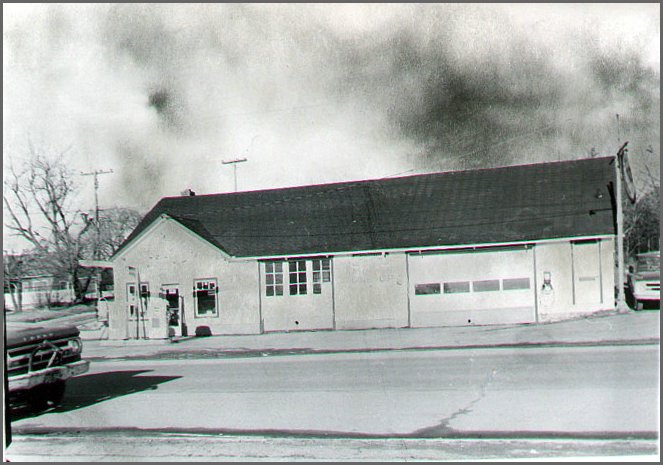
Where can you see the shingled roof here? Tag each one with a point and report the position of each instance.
(515, 203)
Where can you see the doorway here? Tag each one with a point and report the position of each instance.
(587, 278)
(174, 310)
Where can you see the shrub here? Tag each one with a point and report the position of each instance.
(203, 331)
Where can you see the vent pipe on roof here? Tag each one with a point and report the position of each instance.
(188, 193)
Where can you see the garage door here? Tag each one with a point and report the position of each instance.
(490, 286)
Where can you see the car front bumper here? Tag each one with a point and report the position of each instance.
(48, 375)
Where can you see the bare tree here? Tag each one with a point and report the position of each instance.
(114, 225)
(642, 219)
(38, 200)
(642, 223)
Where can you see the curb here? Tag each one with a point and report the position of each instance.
(203, 354)
(137, 432)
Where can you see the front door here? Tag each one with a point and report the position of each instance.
(133, 325)
(587, 285)
(174, 310)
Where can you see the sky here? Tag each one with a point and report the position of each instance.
(162, 94)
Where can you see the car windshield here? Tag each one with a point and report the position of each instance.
(650, 263)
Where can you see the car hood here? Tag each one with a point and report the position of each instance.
(19, 333)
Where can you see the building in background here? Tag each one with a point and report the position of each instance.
(519, 244)
(27, 286)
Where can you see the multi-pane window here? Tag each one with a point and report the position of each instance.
(461, 287)
(205, 293)
(297, 275)
(135, 306)
(273, 278)
(321, 273)
(132, 301)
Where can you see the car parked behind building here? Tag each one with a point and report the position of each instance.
(644, 280)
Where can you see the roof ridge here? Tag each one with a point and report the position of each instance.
(342, 185)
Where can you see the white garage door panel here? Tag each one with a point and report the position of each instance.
(506, 278)
(502, 316)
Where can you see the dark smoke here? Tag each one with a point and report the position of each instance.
(308, 98)
(159, 100)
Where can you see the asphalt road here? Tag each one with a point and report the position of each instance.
(592, 393)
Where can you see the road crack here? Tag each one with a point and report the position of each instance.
(443, 428)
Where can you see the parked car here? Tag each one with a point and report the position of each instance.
(39, 360)
(644, 280)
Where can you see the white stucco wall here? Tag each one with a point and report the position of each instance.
(370, 291)
(366, 291)
(567, 299)
(167, 253)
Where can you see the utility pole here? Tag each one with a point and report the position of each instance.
(619, 159)
(621, 300)
(96, 174)
(234, 163)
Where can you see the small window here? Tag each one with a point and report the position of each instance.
(297, 272)
(273, 279)
(205, 297)
(488, 285)
(133, 312)
(427, 289)
(457, 287)
(515, 284)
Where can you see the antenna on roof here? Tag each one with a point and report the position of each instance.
(234, 163)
